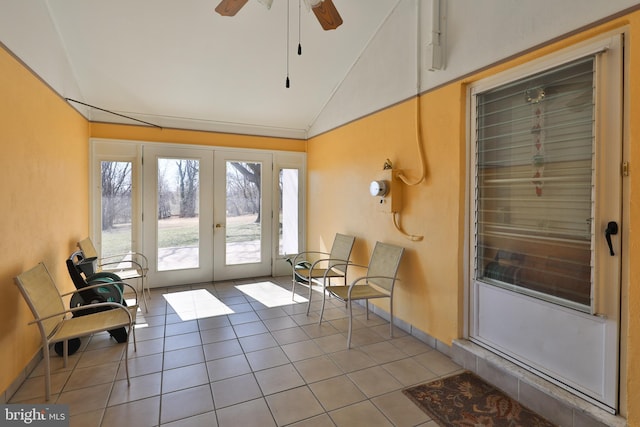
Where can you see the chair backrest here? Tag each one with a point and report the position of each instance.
(42, 296)
(341, 250)
(385, 261)
(87, 248)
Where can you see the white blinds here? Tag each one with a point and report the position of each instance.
(534, 184)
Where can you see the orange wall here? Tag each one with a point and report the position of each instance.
(178, 136)
(43, 183)
(341, 163)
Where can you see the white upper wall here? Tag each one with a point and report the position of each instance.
(34, 39)
(476, 33)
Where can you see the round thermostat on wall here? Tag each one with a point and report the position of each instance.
(378, 188)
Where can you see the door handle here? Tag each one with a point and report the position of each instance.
(612, 229)
(219, 225)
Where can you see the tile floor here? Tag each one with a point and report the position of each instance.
(242, 353)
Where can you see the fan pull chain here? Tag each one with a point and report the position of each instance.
(299, 32)
(286, 84)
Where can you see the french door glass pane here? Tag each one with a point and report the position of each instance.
(288, 223)
(178, 214)
(116, 208)
(534, 184)
(243, 213)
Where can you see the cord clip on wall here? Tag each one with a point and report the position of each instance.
(388, 190)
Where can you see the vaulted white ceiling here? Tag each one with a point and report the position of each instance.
(180, 64)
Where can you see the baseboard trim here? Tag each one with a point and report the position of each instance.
(544, 397)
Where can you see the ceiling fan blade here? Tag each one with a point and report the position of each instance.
(327, 15)
(230, 7)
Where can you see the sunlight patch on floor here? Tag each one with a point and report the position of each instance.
(269, 294)
(196, 304)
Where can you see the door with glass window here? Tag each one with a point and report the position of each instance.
(546, 212)
(178, 211)
(242, 214)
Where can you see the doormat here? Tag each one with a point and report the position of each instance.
(466, 400)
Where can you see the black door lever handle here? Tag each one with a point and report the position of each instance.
(612, 229)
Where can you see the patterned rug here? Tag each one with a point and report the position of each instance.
(466, 400)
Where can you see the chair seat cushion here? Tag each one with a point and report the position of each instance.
(359, 292)
(318, 273)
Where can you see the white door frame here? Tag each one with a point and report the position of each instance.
(127, 150)
(542, 354)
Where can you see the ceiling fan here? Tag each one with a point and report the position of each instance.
(324, 10)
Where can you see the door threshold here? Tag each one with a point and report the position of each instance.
(549, 400)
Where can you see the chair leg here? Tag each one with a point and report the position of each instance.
(144, 296)
(310, 293)
(324, 295)
(126, 353)
(350, 324)
(293, 287)
(47, 372)
(391, 318)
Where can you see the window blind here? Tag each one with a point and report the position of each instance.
(534, 184)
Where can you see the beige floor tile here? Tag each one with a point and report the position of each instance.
(255, 367)
(228, 367)
(396, 408)
(207, 419)
(223, 333)
(183, 357)
(177, 342)
(257, 342)
(33, 387)
(235, 390)
(361, 414)
(278, 379)
(87, 419)
(93, 375)
(140, 413)
(85, 399)
(222, 349)
(271, 313)
(410, 345)
(184, 377)
(181, 328)
(317, 369)
(288, 336)
(374, 381)
(101, 356)
(146, 348)
(332, 343)
(383, 352)
(140, 387)
(323, 420)
(352, 360)
(252, 413)
(267, 358)
(409, 372)
(186, 403)
(336, 392)
(141, 366)
(213, 322)
(302, 350)
(278, 323)
(250, 328)
(437, 362)
(293, 405)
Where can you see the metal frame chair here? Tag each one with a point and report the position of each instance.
(379, 282)
(308, 273)
(128, 266)
(47, 305)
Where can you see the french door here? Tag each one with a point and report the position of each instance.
(242, 214)
(546, 200)
(178, 211)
